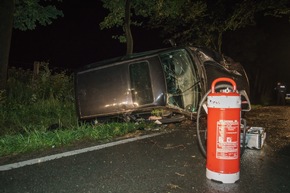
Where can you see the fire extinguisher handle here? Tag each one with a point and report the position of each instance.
(223, 79)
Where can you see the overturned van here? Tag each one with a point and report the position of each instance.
(169, 81)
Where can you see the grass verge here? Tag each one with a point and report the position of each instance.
(40, 140)
(37, 112)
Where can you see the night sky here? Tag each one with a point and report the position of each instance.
(76, 40)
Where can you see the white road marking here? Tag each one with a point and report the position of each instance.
(74, 152)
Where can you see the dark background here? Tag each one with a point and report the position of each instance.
(76, 40)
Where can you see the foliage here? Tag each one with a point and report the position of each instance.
(37, 102)
(38, 112)
(197, 22)
(24, 87)
(157, 112)
(140, 10)
(216, 18)
(25, 14)
(29, 13)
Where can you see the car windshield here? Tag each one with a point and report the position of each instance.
(181, 79)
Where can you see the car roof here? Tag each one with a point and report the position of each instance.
(146, 54)
(130, 57)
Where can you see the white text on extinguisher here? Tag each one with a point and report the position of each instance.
(227, 141)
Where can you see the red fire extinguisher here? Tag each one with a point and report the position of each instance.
(223, 140)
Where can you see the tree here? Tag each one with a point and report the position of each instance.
(119, 16)
(124, 13)
(197, 22)
(127, 28)
(23, 15)
(6, 20)
(216, 18)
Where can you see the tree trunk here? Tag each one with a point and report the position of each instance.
(129, 38)
(220, 41)
(6, 25)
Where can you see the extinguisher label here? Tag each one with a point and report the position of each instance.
(227, 142)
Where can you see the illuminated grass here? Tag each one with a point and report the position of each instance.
(38, 113)
(39, 140)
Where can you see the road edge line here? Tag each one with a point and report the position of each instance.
(74, 152)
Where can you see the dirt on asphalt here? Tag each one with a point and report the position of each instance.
(276, 121)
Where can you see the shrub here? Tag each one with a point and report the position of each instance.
(36, 102)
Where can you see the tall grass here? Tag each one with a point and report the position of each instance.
(38, 112)
(36, 102)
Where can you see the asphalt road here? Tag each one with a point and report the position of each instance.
(170, 162)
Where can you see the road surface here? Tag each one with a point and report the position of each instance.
(170, 162)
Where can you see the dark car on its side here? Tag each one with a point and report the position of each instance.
(171, 81)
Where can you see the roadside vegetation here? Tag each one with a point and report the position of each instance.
(37, 112)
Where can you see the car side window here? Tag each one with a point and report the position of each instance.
(141, 87)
